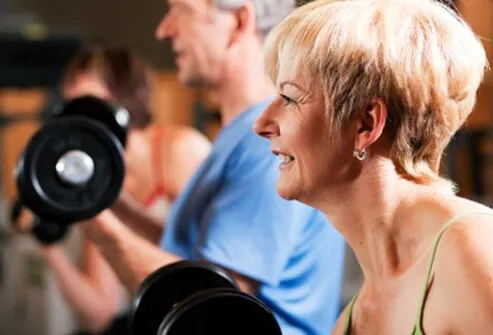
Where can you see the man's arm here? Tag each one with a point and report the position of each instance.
(131, 256)
(136, 218)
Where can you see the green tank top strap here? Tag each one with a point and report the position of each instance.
(417, 326)
(347, 321)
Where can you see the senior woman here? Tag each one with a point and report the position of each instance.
(370, 93)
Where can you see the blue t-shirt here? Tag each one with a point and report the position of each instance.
(230, 214)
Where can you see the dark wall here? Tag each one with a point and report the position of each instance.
(130, 22)
(115, 21)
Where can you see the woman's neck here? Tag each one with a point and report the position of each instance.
(382, 217)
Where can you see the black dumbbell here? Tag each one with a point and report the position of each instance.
(44, 231)
(73, 167)
(48, 233)
(197, 298)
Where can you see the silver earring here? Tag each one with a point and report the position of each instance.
(359, 155)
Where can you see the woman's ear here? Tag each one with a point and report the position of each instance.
(370, 125)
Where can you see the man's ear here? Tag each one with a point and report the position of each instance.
(244, 22)
(370, 125)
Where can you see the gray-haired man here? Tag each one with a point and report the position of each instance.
(230, 214)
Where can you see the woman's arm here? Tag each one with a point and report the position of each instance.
(92, 291)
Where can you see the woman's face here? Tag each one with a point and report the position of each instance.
(297, 126)
(86, 84)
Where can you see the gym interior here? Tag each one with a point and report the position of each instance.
(37, 40)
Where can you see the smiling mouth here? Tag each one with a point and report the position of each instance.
(285, 159)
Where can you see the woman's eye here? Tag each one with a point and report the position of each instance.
(287, 100)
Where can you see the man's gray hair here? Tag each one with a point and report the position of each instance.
(269, 12)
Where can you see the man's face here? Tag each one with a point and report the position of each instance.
(200, 36)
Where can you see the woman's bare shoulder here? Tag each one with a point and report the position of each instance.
(469, 235)
(463, 266)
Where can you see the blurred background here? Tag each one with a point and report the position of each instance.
(38, 37)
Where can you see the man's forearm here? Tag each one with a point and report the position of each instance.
(132, 257)
(138, 220)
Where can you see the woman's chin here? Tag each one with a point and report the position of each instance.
(287, 192)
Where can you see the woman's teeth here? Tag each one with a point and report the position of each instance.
(285, 158)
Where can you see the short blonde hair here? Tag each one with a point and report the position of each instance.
(418, 56)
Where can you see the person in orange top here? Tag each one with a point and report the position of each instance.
(159, 161)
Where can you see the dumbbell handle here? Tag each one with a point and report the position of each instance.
(45, 232)
(18, 219)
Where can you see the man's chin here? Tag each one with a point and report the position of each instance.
(193, 80)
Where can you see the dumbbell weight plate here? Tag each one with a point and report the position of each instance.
(48, 232)
(115, 117)
(220, 312)
(169, 285)
(48, 193)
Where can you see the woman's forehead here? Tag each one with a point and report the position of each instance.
(292, 76)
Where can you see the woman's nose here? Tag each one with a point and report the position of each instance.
(266, 126)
